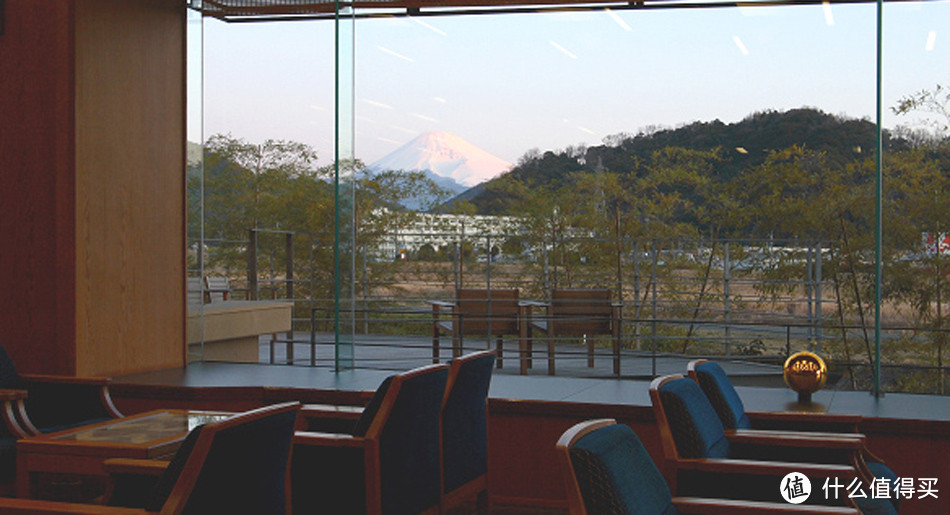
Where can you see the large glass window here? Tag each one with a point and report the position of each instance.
(713, 167)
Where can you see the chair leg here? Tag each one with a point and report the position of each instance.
(529, 357)
(290, 351)
(523, 343)
(499, 350)
(590, 351)
(616, 345)
(435, 345)
(550, 356)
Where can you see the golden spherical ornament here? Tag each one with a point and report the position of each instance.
(806, 373)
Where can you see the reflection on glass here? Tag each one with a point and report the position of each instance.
(346, 168)
(194, 181)
(139, 430)
(707, 164)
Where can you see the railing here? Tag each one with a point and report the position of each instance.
(756, 301)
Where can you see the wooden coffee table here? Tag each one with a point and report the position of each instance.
(81, 451)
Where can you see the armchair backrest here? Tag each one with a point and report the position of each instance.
(721, 393)
(687, 419)
(406, 425)
(218, 288)
(465, 420)
(193, 286)
(581, 311)
(237, 465)
(480, 311)
(606, 469)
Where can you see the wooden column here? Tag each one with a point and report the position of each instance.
(92, 153)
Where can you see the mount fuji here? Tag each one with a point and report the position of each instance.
(450, 159)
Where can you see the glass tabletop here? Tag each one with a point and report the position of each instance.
(149, 428)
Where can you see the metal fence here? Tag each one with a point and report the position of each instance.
(751, 300)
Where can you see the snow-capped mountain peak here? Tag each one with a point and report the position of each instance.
(445, 155)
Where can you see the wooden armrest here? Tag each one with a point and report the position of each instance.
(769, 468)
(40, 378)
(31, 507)
(328, 439)
(787, 416)
(12, 395)
(136, 467)
(795, 439)
(688, 505)
(532, 303)
(331, 411)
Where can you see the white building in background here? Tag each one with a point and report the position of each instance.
(447, 230)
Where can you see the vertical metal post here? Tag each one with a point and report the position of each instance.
(726, 295)
(488, 264)
(488, 336)
(619, 257)
(636, 294)
(289, 256)
(311, 306)
(654, 301)
(788, 341)
(879, 209)
(809, 293)
(461, 255)
(365, 293)
(457, 264)
(289, 291)
(547, 278)
(252, 264)
(818, 301)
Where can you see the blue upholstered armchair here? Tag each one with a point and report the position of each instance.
(465, 431)
(607, 470)
(702, 458)
(391, 462)
(237, 465)
(728, 405)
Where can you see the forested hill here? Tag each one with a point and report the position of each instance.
(740, 146)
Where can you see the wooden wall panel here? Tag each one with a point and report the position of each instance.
(524, 468)
(130, 155)
(37, 253)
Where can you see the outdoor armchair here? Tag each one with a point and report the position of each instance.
(493, 313)
(218, 288)
(579, 312)
(607, 470)
(237, 465)
(389, 464)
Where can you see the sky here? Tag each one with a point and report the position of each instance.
(515, 83)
